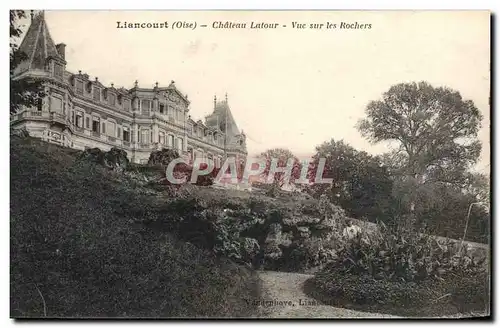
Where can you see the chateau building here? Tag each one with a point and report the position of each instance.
(80, 112)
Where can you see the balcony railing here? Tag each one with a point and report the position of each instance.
(35, 113)
(29, 114)
(96, 134)
(126, 143)
(111, 139)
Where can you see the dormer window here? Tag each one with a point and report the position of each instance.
(79, 87)
(112, 99)
(145, 106)
(162, 109)
(97, 94)
(126, 104)
(58, 70)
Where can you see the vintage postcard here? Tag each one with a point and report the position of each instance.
(250, 164)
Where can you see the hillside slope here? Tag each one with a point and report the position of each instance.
(77, 251)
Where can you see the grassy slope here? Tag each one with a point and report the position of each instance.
(75, 242)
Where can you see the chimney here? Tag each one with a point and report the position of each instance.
(61, 49)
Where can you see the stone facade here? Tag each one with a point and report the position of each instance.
(80, 112)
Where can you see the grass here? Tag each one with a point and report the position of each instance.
(77, 249)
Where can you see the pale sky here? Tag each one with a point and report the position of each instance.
(286, 87)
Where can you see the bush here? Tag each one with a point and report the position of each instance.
(183, 172)
(404, 256)
(406, 273)
(458, 293)
(115, 159)
(162, 157)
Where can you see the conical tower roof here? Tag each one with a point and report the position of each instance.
(222, 115)
(38, 46)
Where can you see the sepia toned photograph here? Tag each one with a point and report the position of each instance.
(250, 164)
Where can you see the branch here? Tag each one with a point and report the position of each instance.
(43, 300)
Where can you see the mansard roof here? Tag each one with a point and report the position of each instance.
(38, 46)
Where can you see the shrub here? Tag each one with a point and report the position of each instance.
(92, 154)
(162, 157)
(115, 159)
(406, 272)
(457, 293)
(183, 172)
(408, 256)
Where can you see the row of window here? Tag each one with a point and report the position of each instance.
(145, 105)
(97, 95)
(144, 136)
(193, 155)
(211, 137)
(170, 141)
(109, 128)
(96, 126)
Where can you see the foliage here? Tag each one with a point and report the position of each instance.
(115, 159)
(162, 157)
(403, 256)
(457, 294)
(435, 128)
(23, 93)
(442, 210)
(282, 157)
(403, 272)
(478, 186)
(361, 184)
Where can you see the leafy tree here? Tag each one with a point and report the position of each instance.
(442, 210)
(23, 92)
(478, 185)
(282, 156)
(435, 127)
(361, 183)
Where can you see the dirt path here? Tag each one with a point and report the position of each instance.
(284, 287)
